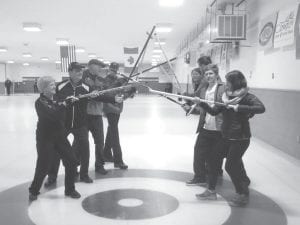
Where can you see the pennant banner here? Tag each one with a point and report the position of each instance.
(130, 57)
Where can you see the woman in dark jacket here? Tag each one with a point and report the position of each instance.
(240, 106)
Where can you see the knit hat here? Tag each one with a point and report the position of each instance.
(43, 83)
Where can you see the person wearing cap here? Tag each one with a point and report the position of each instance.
(76, 120)
(112, 112)
(94, 77)
(51, 138)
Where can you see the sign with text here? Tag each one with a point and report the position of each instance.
(266, 32)
(285, 27)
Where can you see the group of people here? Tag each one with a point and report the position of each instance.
(223, 129)
(62, 111)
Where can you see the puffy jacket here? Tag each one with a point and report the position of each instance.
(235, 125)
(76, 113)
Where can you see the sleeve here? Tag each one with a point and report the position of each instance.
(44, 111)
(255, 106)
(212, 110)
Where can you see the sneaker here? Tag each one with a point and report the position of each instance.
(121, 166)
(101, 170)
(50, 182)
(32, 197)
(207, 195)
(239, 200)
(196, 181)
(86, 179)
(73, 194)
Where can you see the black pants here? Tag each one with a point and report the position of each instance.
(80, 147)
(112, 140)
(8, 90)
(234, 164)
(95, 126)
(211, 144)
(47, 149)
(200, 155)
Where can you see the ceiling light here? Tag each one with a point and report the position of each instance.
(58, 62)
(170, 3)
(156, 56)
(79, 50)
(157, 50)
(163, 27)
(3, 49)
(10, 61)
(161, 42)
(92, 55)
(45, 59)
(25, 64)
(32, 27)
(62, 41)
(27, 55)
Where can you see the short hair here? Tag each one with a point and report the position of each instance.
(43, 83)
(198, 70)
(237, 80)
(204, 60)
(213, 67)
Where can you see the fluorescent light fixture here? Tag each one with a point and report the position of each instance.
(156, 56)
(92, 55)
(170, 3)
(58, 62)
(161, 42)
(163, 27)
(3, 49)
(10, 61)
(79, 50)
(25, 64)
(45, 59)
(27, 55)
(157, 51)
(32, 27)
(62, 41)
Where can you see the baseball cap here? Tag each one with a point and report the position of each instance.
(75, 65)
(96, 62)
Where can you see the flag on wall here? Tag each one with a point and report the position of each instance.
(67, 55)
(130, 57)
(266, 32)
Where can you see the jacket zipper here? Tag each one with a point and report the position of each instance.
(73, 110)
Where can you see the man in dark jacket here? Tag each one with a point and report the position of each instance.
(76, 120)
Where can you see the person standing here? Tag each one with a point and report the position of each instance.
(94, 77)
(51, 138)
(113, 112)
(7, 84)
(240, 107)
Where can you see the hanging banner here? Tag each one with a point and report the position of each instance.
(285, 27)
(266, 32)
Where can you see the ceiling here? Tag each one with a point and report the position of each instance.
(103, 27)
